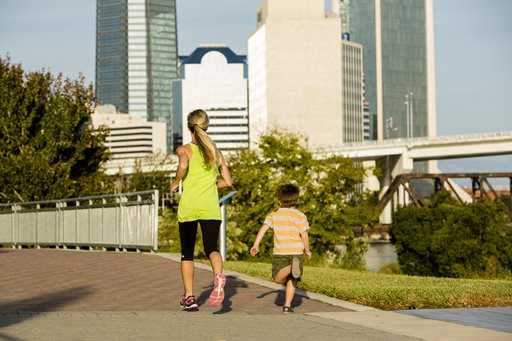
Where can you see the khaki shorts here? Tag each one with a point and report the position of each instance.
(282, 261)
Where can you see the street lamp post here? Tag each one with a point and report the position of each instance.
(410, 113)
(389, 127)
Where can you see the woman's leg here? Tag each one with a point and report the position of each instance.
(210, 230)
(188, 232)
(216, 262)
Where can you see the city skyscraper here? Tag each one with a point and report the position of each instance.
(352, 87)
(137, 57)
(294, 61)
(398, 57)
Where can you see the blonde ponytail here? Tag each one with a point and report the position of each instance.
(198, 122)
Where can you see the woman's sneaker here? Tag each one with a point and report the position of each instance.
(189, 303)
(217, 295)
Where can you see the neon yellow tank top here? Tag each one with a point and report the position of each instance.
(200, 198)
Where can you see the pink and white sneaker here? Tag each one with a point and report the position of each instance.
(189, 303)
(217, 295)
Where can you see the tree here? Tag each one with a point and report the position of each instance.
(331, 194)
(48, 149)
(449, 239)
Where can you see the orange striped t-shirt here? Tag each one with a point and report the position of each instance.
(287, 224)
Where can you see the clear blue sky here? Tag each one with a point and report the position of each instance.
(472, 39)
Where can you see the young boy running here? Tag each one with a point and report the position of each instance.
(291, 241)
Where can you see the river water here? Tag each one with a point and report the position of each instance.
(379, 254)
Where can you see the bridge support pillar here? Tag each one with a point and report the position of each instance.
(392, 165)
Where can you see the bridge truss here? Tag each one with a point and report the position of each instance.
(403, 190)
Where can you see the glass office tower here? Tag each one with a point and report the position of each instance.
(137, 57)
(398, 57)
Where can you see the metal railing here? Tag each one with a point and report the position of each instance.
(223, 226)
(121, 221)
(416, 141)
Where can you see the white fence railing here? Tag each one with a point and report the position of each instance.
(121, 221)
(223, 226)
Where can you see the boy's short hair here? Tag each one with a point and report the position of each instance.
(288, 195)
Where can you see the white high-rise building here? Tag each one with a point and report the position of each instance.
(131, 137)
(213, 78)
(295, 68)
(352, 85)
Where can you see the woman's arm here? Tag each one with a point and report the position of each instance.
(225, 180)
(182, 167)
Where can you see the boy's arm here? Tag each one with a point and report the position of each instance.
(256, 246)
(305, 239)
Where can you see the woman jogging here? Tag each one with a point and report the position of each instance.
(200, 163)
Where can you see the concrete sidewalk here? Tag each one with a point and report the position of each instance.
(84, 295)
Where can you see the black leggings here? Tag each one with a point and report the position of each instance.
(188, 233)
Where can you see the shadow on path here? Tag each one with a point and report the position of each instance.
(9, 338)
(19, 311)
(281, 296)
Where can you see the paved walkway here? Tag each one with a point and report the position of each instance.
(88, 295)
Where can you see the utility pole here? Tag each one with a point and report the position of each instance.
(410, 114)
(389, 127)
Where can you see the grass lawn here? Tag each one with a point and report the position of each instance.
(393, 292)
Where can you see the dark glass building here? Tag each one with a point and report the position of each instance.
(137, 57)
(398, 58)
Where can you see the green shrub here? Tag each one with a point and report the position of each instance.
(353, 257)
(449, 239)
(390, 269)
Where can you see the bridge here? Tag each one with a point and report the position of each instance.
(426, 149)
(397, 156)
(402, 189)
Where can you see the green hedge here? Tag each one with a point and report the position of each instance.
(449, 239)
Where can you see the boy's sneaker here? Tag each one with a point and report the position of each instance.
(287, 310)
(189, 303)
(217, 295)
(296, 268)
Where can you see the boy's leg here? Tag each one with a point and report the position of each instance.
(290, 291)
(282, 274)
